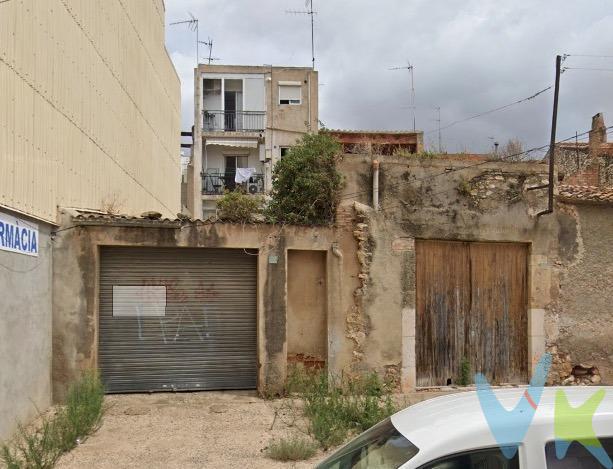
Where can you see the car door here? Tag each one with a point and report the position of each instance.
(482, 458)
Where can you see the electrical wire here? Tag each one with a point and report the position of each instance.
(588, 69)
(589, 55)
(491, 111)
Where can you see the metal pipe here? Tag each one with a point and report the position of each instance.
(375, 184)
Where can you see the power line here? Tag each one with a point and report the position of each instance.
(491, 111)
(588, 69)
(588, 55)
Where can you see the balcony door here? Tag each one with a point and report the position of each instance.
(233, 104)
(231, 163)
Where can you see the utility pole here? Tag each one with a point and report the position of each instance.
(552, 145)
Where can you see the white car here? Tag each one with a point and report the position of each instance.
(452, 432)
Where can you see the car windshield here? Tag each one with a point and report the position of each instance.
(382, 447)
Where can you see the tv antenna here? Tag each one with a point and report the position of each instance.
(410, 68)
(209, 44)
(438, 121)
(192, 24)
(311, 13)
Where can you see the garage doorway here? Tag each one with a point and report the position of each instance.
(177, 319)
(472, 306)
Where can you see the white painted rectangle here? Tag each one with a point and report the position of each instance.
(139, 301)
(17, 235)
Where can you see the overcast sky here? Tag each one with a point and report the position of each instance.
(469, 56)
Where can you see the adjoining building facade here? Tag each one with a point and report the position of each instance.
(380, 142)
(246, 118)
(80, 126)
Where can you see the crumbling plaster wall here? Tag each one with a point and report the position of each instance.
(439, 199)
(579, 329)
(75, 284)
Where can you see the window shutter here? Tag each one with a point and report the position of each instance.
(290, 93)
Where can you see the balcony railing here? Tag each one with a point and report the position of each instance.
(233, 121)
(218, 183)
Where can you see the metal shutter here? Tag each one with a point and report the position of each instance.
(202, 335)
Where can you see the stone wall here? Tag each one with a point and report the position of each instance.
(443, 199)
(569, 260)
(580, 325)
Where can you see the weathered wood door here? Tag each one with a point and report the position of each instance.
(471, 305)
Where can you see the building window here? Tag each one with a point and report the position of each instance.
(284, 151)
(290, 94)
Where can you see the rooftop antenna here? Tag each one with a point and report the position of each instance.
(409, 67)
(192, 24)
(438, 121)
(209, 44)
(308, 4)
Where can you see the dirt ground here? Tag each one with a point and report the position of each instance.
(196, 430)
(185, 430)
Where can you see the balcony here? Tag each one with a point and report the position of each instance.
(233, 121)
(214, 183)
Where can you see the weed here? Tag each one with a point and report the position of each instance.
(40, 446)
(464, 187)
(335, 408)
(291, 449)
(464, 378)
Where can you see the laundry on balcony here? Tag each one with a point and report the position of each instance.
(244, 174)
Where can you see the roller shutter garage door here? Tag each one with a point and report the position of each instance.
(177, 319)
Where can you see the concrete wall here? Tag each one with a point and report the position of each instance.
(581, 321)
(25, 333)
(89, 108)
(75, 283)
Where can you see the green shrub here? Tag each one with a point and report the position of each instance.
(237, 206)
(305, 183)
(335, 408)
(292, 449)
(41, 446)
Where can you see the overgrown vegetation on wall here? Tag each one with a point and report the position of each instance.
(305, 183)
(238, 206)
(40, 446)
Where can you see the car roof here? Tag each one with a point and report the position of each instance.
(455, 419)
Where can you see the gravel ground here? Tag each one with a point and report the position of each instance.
(185, 430)
(194, 430)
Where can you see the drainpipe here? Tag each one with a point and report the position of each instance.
(375, 184)
(309, 128)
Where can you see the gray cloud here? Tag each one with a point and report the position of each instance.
(470, 56)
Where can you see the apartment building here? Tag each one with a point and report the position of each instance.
(89, 118)
(246, 118)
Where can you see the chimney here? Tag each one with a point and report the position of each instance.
(598, 134)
